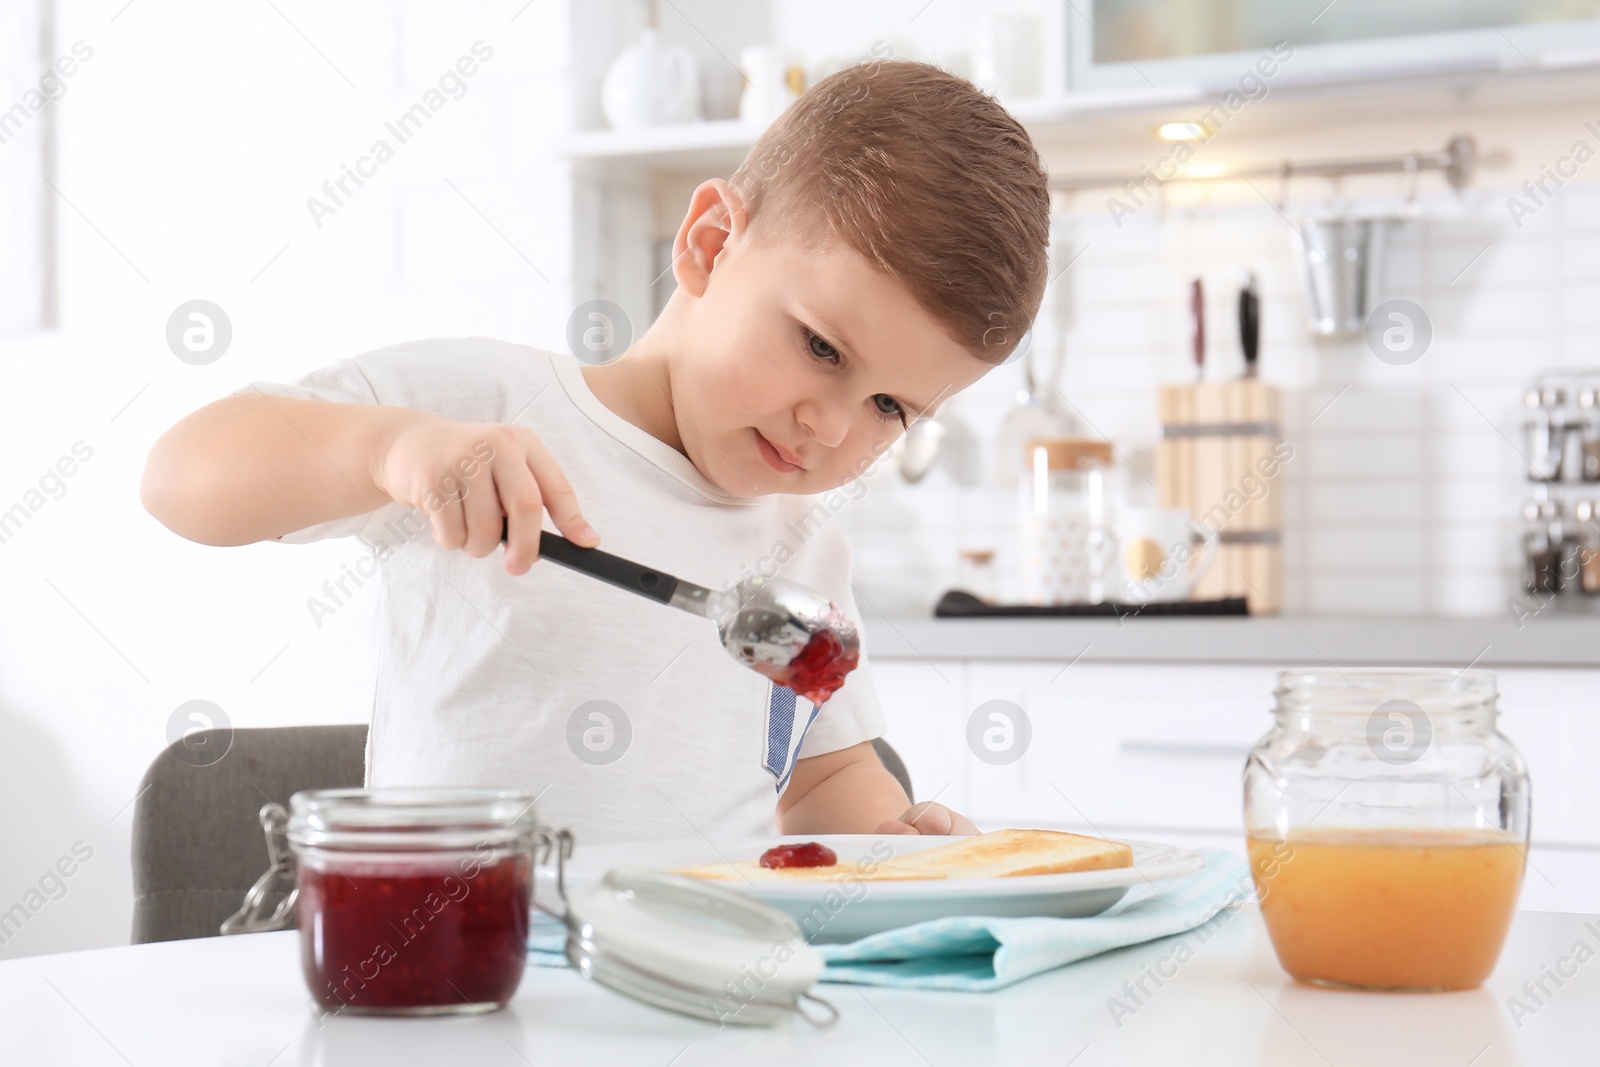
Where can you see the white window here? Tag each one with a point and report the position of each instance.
(28, 89)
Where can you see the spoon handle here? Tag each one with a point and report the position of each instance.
(623, 573)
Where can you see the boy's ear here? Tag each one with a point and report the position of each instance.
(715, 216)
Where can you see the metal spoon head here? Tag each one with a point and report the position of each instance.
(918, 449)
(792, 635)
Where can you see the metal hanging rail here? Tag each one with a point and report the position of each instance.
(1458, 161)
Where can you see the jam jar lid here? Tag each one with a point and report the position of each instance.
(409, 818)
(692, 947)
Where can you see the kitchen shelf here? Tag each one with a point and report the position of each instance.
(685, 145)
(1456, 91)
(1548, 640)
(680, 146)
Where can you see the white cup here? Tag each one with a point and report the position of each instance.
(1163, 553)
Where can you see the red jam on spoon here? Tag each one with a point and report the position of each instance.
(806, 854)
(821, 666)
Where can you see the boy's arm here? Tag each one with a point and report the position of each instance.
(254, 466)
(849, 792)
(250, 467)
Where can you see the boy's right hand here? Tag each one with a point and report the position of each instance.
(466, 476)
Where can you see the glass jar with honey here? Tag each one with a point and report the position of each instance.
(1387, 825)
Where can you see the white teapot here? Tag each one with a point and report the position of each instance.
(651, 84)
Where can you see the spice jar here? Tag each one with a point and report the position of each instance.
(1539, 574)
(1569, 433)
(1587, 519)
(1387, 824)
(410, 901)
(1589, 430)
(1564, 547)
(1065, 507)
(1542, 436)
(977, 574)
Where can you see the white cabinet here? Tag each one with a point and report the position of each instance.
(1156, 751)
(1553, 716)
(1120, 747)
(1143, 44)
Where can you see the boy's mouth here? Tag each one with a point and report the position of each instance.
(775, 459)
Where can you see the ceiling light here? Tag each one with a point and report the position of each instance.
(1181, 131)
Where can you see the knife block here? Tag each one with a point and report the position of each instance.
(1216, 452)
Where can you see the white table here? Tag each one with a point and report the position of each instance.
(240, 1002)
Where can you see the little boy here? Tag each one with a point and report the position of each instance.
(882, 246)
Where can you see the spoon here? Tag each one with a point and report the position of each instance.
(959, 453)
(776, 627)
(918, 448)
(1035, 414)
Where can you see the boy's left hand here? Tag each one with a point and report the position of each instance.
(928, 818)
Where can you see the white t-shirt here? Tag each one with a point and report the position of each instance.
(488, 679)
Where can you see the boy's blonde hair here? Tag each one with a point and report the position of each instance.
(924, 175)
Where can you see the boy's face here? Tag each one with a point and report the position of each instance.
(802, 367)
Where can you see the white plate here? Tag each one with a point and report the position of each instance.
(853, 908)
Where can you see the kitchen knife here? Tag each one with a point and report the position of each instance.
(1249, 323)
(1197, 319)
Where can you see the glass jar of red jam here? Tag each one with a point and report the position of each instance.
(416, 902)
(413, 901)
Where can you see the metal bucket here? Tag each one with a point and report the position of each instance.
(1341, 260)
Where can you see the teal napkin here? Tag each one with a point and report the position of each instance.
(978, 954)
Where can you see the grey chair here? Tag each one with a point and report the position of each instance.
(893, 764)
(197, 842)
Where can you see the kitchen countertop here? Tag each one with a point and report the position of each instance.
(1222, 1000)
(1545, 640)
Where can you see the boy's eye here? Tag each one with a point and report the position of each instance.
(887, 407)
(820, 348)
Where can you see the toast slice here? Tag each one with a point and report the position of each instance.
(1000, 854)
(1013, 853)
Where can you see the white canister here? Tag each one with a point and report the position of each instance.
(1066, 514)
(769, 86)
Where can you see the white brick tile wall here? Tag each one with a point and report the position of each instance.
(493, 255)
(1366, 592)
(1386, 547)
(1580, 207)
(1469, 502)
(1575, 258)
(1473, 590)
(1372, 457)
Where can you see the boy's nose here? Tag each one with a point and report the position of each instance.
(827, 425)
